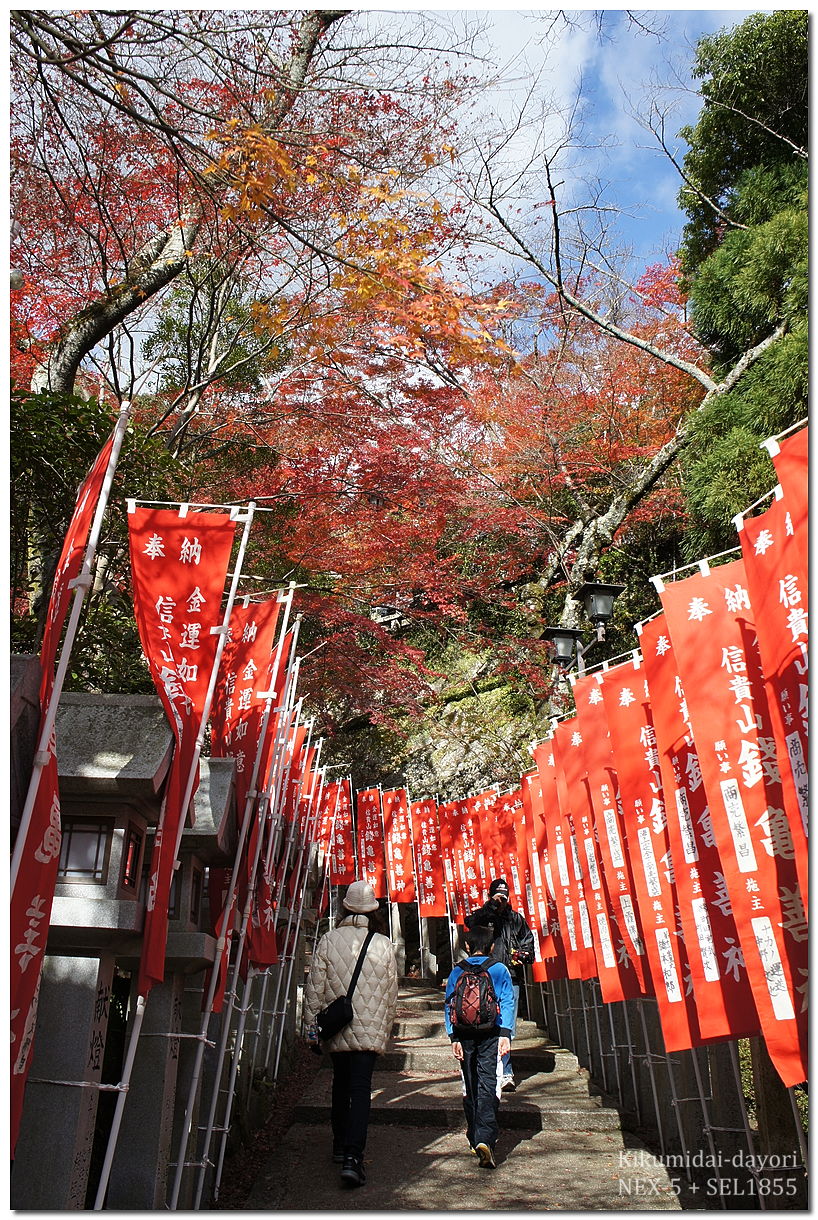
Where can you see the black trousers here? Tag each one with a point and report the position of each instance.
(481, 1071)
(351, 1099)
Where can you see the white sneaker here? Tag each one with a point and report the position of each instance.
(508, 1084)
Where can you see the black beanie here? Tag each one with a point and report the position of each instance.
(498, 886)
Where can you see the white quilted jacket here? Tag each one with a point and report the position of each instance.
(375, 998)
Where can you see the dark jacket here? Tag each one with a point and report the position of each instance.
(511, 932)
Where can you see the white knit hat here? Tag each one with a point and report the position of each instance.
(360, 898)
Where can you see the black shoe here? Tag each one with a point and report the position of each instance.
(352, 1171)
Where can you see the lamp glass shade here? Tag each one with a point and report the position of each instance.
(598, 600)
(564, 640)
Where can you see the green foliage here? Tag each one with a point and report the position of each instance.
(725, 470)
(744, 282)
(55, 438)
(755, 89)
(199, 322)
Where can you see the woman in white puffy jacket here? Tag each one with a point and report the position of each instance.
(374, 1003)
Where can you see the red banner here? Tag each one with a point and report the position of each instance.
(428, 859)
(567, 744)
(633, 740)
(712, 630)
(540, 902)
(178, 569)
(371, 859)
(724, 998)
(603, 789)
(446, 822)
(579, 957)
(70, 564)
(33, 892)
(791, 460)
(397, 826)
(342, 844)
(779, 593)
(244, 673)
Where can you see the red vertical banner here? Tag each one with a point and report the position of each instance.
(445, 819)
(546, 763)
(791, 460)
(724, 998)
(428, 859)
(541, 902)
(561, 865)
(779, 594)
(467, 876)
(617, 978)
(567, 742)
(371, 857)
(633, 739)
(488, 833)
(70, 564)
(510, 808)
(342, 844)
(33, 892)
(397, 827)
(326, 821)
(712, 630)
(603, 789)
(245, 671)
(178, 570)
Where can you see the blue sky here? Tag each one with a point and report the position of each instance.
(554, 67)
(611, 76)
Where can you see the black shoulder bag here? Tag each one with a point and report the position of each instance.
(337, 1015)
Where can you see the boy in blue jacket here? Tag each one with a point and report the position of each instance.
(480, 1053)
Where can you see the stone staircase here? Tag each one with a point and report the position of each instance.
(560, 1148)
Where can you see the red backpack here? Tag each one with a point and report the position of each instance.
(473, 1003)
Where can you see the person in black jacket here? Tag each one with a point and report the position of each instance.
(513, 945)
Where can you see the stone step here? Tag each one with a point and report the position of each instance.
(435, 1099)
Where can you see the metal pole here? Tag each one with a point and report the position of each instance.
(615, 1051)
(799, 1127)
(649, 1057)
(221, 632)
(708, 1130)
(744, 1115)
(632, 1062)
(674, 1097)
(593, 988)
(80, 584)
(247, 818)
(569, 1011)
(301, 868)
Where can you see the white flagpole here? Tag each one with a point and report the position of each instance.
(247, 817)
(301, 870)
(139, 1014)
(80, 584)
(230, 994)
(245, 923)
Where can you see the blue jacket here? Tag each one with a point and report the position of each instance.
(503, 989)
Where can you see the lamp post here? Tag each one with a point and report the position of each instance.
(598, 600)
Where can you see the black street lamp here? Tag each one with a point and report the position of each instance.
(598, 600)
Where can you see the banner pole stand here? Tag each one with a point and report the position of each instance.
(569, 1011)
(615, 1051)
(674, 1100)
(632, 1062)
(649, 1058)
(708, 1130)
(593, 984)
(231, 1090)
(745, 1118)
(799, 1127)
(584, 1008)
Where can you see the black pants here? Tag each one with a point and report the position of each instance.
(481, 1089)
(351, 1098)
